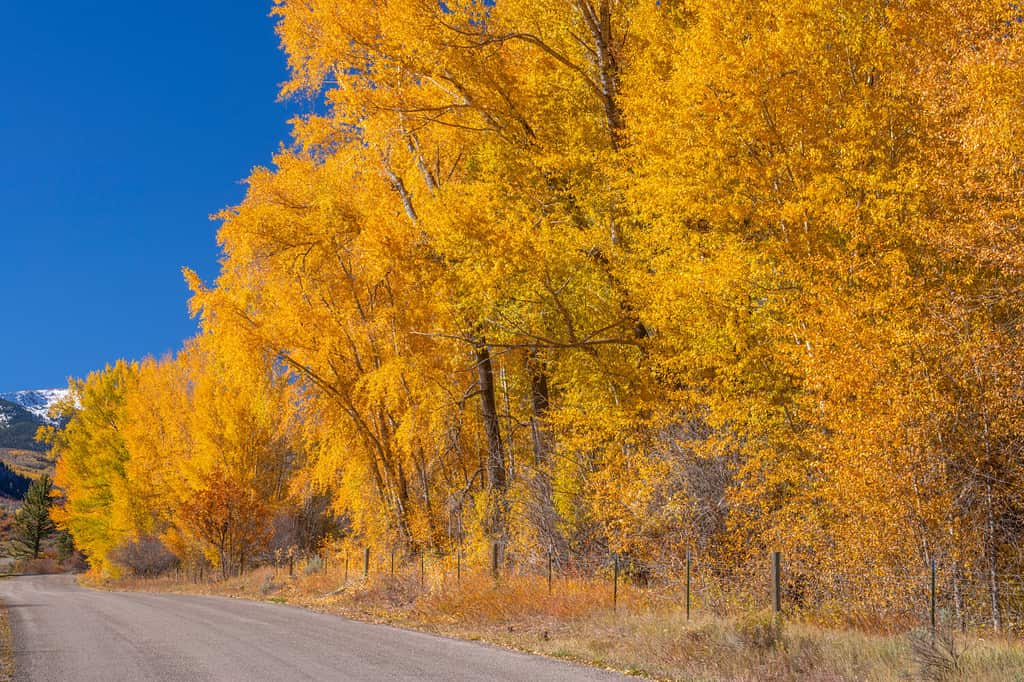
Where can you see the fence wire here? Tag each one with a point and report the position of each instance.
(887, 599)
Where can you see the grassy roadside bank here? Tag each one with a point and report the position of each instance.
(6, 646)
(576, 623)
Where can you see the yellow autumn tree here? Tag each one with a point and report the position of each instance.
(610, 276)
(91, 456)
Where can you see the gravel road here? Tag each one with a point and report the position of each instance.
(66, 632)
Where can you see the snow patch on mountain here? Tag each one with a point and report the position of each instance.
(37, 402)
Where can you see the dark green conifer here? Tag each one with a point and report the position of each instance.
(32, 523)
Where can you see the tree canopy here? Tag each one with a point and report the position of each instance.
(645, 276)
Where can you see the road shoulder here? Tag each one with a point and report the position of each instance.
(6, 645)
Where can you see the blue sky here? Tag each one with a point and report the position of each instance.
(124, 125)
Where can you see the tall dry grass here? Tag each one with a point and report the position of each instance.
(646, 635)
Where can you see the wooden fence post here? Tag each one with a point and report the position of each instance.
(423, 568)
(458, 565)
(494, 559)
(366, 563)
(392, 561)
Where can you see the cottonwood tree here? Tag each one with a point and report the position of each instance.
(611, 275)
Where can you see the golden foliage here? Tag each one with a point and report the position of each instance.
(636, 277)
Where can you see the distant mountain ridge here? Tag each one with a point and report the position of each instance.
(37, 401)
(18, 427)
(21, 415)
(21, 456)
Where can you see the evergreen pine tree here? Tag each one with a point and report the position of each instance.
(32, 523)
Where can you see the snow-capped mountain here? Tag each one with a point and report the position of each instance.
(8, 413)
(18, 427)
(21, 415)
(37, 402)
(19, 449)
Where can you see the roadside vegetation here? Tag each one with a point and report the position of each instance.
(655, 640)
(6, 646)
(32, 543)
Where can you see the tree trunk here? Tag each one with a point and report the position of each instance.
(958, 597)
(542, 508)
(539, 403)
(497, 481)
(599, 23)
(993, 578)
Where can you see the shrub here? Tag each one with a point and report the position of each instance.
(38, 565)
(314, 565)
(937, 655)
(269, 585)
(147, 556)
(305, 527)
(760, 631)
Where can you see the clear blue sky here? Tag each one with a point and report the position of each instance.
(124, 125)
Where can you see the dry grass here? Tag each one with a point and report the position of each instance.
(47, 565)
(6, 646)
(576, 622)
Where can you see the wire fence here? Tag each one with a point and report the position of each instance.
(936, 597)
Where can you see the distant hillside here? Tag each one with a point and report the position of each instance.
(18, 427)
(27, 463)
(21, 456)
(17, 435)
(12, 485)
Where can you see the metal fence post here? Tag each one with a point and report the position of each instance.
(932, 600)
(776, 583)
(550, 570)
(615, 585)
(687, 584)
